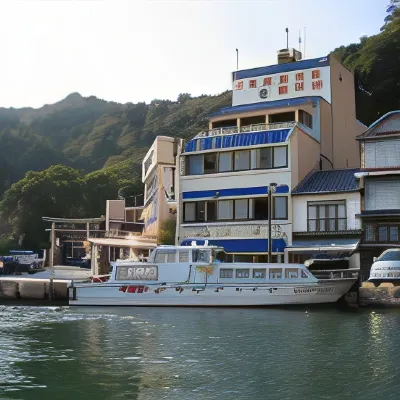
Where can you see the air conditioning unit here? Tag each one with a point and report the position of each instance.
(288, 56)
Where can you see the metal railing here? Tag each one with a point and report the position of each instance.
(112, 233)
(243, 129)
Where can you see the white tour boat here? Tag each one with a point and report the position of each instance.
(195, 276)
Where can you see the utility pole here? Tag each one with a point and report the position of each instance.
(271, 189)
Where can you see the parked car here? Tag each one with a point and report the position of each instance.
(386, 268)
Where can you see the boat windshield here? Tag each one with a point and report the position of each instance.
(202, 255)
(393, 255)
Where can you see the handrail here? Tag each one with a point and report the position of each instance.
(244, 129)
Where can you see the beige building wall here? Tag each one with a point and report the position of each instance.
(345, 125)
(304, 155)
(326, 135)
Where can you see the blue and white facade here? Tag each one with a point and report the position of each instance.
(279, 128)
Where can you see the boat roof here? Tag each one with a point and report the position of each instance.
(189, 247)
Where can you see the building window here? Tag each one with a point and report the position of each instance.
(243, 273)
(210, 163)
(243, 258)
(260, 208)
(189, 212)
(369, 233)
(194, 212)
(280, 207)
(306, 119)
(382, 234)
(225, 162)
(242, 209)
(211, 211)
(225, 209)
(259, 273)
(264, 158)
(242, 160)
(327, 216)
(393, 233)
(282, 117)
(226, 273)
(195, 165)
(280, 156)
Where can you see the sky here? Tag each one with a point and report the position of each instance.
(139, 50)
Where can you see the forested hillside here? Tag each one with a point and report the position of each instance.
(88, 150)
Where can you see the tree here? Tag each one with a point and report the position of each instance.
(183, 98)
(167, 231)
(54, 192)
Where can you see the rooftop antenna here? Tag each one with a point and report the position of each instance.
(237, 59)
(304, 46)
(287, 38)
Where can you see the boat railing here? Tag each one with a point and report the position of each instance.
(349, 273)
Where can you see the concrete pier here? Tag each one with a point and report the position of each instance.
(24, 288)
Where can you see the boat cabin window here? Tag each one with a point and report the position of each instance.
(390, 255)
(259, 273)
(275, 273)
(291, 273)
(243, 273)
(165, 256)
(226, 273)
(304, 274)
(201, 255)
(183, 256)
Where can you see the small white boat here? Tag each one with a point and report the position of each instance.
(194, 276)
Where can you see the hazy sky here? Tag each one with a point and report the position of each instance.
(139, 50)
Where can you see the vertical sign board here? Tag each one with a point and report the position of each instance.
(283, 86)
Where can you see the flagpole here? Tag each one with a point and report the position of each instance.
(237, 60)
(304, 45)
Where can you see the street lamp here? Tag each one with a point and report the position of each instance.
(271, 189)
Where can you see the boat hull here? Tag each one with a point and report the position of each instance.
(212, 295)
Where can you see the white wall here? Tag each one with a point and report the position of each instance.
(240, 179)
(300, 208)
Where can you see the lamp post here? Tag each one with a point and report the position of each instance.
(271, 189)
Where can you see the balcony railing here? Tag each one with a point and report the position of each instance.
(113, 233)
(243, 129)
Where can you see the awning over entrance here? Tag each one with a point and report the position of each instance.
(132, 243)
(242, 245)
(347, 245)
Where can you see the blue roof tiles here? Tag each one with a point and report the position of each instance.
(331, 181)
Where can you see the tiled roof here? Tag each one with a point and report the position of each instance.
(387, 124)
(336, 180)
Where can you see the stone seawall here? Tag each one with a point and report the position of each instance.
(33, 289)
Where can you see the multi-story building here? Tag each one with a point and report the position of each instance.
(160, 178)
(285, 121)
(380, 182)
(325, 204)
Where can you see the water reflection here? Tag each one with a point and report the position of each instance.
(206, 354)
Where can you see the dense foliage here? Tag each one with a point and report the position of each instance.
(375, 62)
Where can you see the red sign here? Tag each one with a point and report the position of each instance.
(284, 79)
(252, 83)
(239, 85)
(267, 81)
(317, 85)
(299, 86)
(316, 74)
(283, 90)
(300, 76)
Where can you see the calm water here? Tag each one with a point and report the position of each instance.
(98, 353)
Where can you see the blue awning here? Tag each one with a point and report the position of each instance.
(244, 191)
(241, 245)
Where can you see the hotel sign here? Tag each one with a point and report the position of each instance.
(282, 86)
